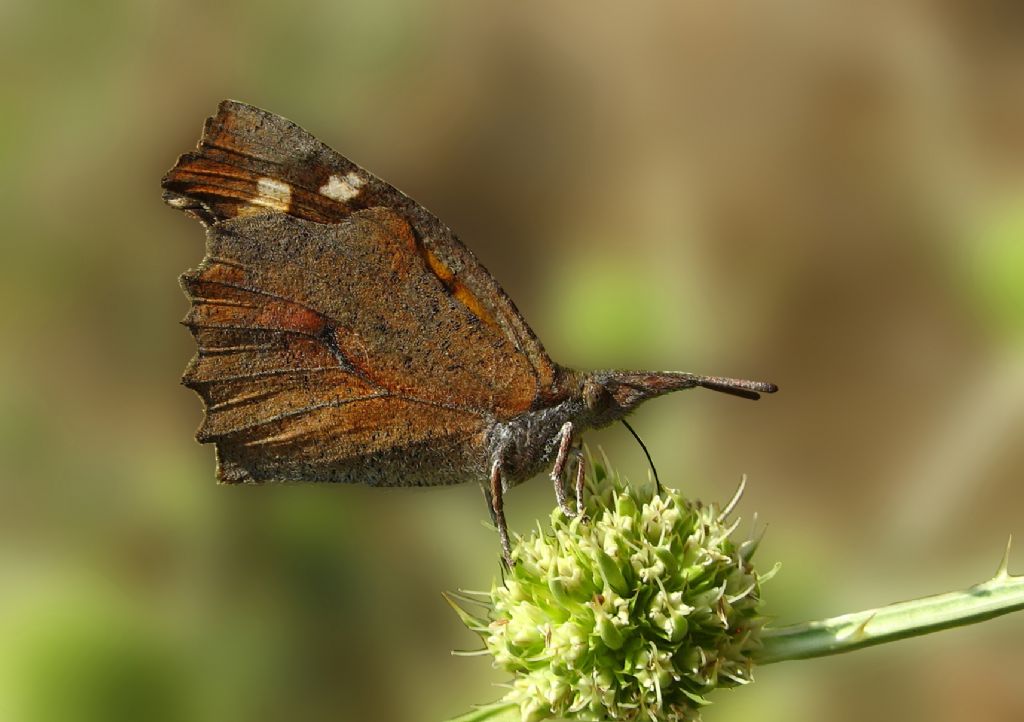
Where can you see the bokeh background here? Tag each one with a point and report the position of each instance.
(826, 194)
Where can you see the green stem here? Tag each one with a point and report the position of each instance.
(1000, 595)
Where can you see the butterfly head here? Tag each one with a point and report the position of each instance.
(611, 395)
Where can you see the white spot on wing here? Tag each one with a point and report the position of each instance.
(273, 194)
(343, 189)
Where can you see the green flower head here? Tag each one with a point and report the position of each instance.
(634, 612)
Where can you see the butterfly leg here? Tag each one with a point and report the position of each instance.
(581, 477)
(564, 446)
(498, 511)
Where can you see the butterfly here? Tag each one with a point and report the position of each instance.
(345, 334)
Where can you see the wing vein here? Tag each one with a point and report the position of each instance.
(261, 292)
(266, 374)
(336, 403)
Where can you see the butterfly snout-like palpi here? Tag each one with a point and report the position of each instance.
(345, 334)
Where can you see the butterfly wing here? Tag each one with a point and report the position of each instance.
(344, 333)
(251, 161)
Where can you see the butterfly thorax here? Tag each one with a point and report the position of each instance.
(527, 444)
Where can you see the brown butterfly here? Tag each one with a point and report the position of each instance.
(345, 334)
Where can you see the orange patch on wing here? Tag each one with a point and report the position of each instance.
(293, 317)
(457, 288)
(218, 270)
(437, 266)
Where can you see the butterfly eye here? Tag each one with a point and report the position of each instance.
(595, 396)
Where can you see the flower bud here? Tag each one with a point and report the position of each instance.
(637, 612)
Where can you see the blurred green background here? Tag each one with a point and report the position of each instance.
(826, 194)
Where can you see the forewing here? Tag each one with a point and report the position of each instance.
(251, 162)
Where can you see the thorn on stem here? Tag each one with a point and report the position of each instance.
(1003, 572)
